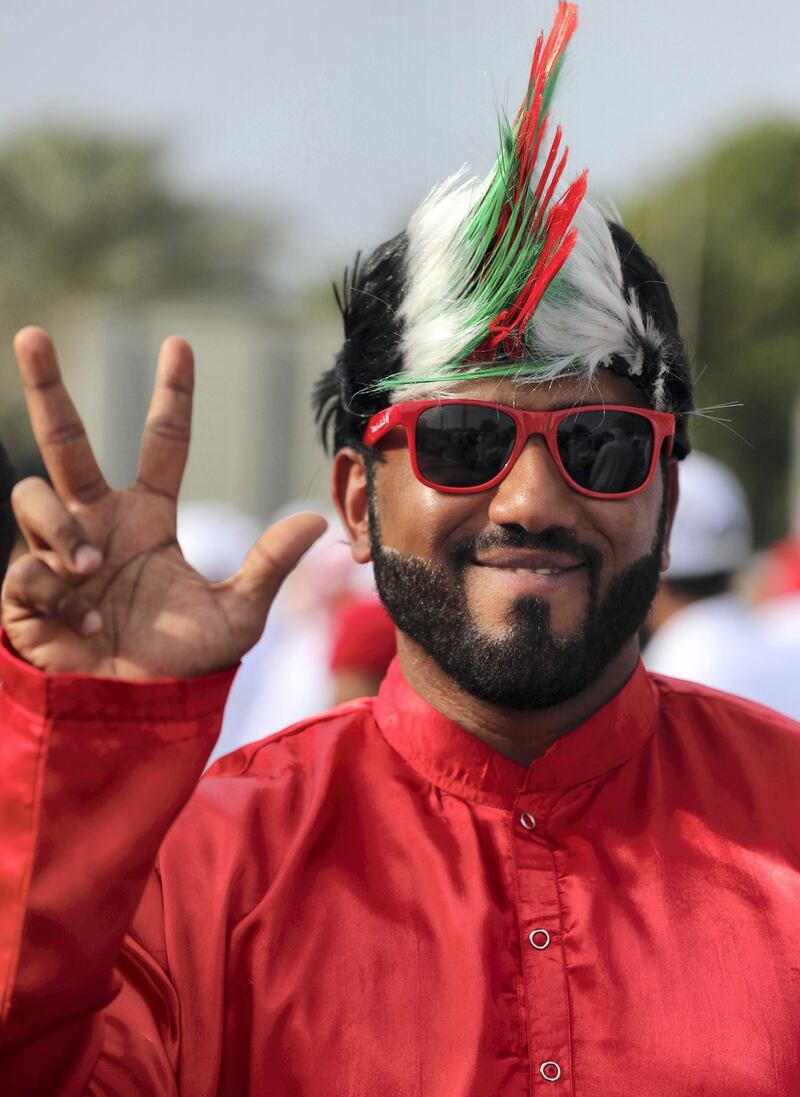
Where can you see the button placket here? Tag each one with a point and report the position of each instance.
(539, 913)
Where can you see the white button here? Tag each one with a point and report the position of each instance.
(550, 1071)
(544, 938)
(527, 820)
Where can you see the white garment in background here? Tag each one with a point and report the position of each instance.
(782, 617)
(721, 643)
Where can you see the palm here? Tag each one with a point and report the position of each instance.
(157, 612)
(160, 618)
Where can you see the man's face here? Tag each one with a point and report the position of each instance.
(524, 592)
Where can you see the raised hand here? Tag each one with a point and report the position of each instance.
(104, 589)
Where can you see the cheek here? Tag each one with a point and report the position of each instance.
(628, 527)
(415, 519)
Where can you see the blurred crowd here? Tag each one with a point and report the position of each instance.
(724, 616)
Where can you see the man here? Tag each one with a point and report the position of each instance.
(527, 866)
(702, 629)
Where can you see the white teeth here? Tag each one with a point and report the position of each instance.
(537, 571)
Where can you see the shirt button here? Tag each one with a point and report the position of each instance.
(539, 938)
(527, 820)
(550, 1071)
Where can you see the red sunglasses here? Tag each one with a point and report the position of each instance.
(606, 451)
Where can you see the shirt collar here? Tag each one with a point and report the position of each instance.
(460, 762)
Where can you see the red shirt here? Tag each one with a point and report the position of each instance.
(374, 902)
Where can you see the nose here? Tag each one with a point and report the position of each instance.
(534, 494)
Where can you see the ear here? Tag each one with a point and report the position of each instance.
(673, 493)
(349, 491)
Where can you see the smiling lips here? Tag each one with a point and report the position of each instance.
(523, 572)
(536, 563)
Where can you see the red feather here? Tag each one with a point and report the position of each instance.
(507, 329)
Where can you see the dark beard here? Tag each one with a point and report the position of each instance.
(527, 668)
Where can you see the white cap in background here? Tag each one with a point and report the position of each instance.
(712, 532)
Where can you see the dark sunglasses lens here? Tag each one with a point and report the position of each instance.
(463, 446)
(606, 451)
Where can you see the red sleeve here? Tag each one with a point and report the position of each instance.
(92, 774)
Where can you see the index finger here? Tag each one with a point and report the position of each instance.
(57, 427)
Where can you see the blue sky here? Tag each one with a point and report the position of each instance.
(339, 117)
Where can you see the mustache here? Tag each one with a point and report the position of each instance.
(552, 539)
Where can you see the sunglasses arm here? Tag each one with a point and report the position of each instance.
(380, 425)
(668, 441)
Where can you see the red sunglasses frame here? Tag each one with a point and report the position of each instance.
(544, 423)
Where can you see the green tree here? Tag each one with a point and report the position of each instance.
(727, 232)
(85, 214)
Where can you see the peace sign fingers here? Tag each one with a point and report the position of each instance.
(56, 424)
(165, 441)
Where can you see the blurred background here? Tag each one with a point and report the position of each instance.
(207, 169)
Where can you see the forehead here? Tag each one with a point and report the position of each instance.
(604, 387)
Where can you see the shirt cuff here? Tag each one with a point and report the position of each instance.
(84, 697)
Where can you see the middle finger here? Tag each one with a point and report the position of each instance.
(165, 441)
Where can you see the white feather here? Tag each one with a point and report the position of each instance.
(585, 320)
(582, 322)
(433, 321)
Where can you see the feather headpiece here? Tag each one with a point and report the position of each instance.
(512, 277)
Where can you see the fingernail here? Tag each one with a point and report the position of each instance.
(85, 558)
(91, 623)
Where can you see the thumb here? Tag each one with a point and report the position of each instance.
(274, 555)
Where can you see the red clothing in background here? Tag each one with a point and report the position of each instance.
(779, 571)
(374, 902)
(363, 638)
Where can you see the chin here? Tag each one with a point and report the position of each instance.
(560, 630)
